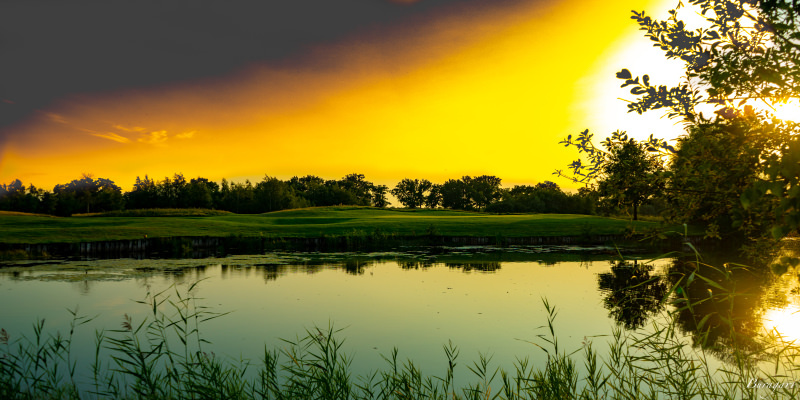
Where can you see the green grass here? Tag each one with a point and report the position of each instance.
(159, 212)
(308, 222)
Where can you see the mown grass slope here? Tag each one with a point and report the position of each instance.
(308, 222)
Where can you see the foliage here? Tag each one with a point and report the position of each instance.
(591, 172)
(716, 163)
(544, 197)
(455, 194)
(87, 194)
(631, 175)
(484, 190)
(379, 196)
(412, 193)
(625, 172)
(749, 51)
(633, 294)
(16, 197)
(745, 57)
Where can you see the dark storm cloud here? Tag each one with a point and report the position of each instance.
(53, 49)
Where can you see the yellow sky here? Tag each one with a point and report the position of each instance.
(473, 100)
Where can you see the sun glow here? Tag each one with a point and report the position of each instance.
(475, 94)
(788, 111)
(784, 322)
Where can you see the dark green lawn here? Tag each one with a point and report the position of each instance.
(309, 222)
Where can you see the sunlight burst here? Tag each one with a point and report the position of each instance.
(784, 322)
(789, 111)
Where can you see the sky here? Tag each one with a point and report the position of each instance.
(240, 89)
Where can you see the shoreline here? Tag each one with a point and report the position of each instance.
(214, 246)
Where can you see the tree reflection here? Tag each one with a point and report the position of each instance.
(632, 293)
(719, 306)
(271, 272)
(355, 266)
(414, 264)
(477, 266)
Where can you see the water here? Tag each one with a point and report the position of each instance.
(482, 300)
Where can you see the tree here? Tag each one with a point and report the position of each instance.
(412, 193)
(379, 196)
(12, 195)
(143, 195)
(630, 174)
(632, 294)
(272, 194)
(200, 193)
(455, 194)
(547, 185)
(87, 194)
(713, 164)
(484, 190)
(434, 197)
(359, 187)
(747, 55)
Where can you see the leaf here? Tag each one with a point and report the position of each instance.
(624, 74)
(777, 232)
(712, 35)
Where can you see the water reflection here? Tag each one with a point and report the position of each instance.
(714, 306)
(633, 294)
(784, 322)
(415, 264)
(720, 307)
(480, 266)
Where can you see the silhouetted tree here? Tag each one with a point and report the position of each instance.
(12, 196)
(360, 189)
(200, 193)
(411, 193)
(434, 197)
(272, 194)
(379, 193)
(631, 174)
(87, 195)
(455, 194)
(143, 194)
(484, 190)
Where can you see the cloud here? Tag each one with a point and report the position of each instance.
(132, 129)
(112, 136)
(155, 138)
(208, 39)
(185, 135)
(56, 118)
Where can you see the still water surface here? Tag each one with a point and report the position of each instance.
(484, 301)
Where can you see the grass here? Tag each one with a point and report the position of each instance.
(309, 222)
(159, 212)
(164, 356)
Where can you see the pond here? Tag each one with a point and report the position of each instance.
(486, 301)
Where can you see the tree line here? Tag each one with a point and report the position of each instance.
(484, 193)
(481, 193)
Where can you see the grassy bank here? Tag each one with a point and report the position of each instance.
(305, 223)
